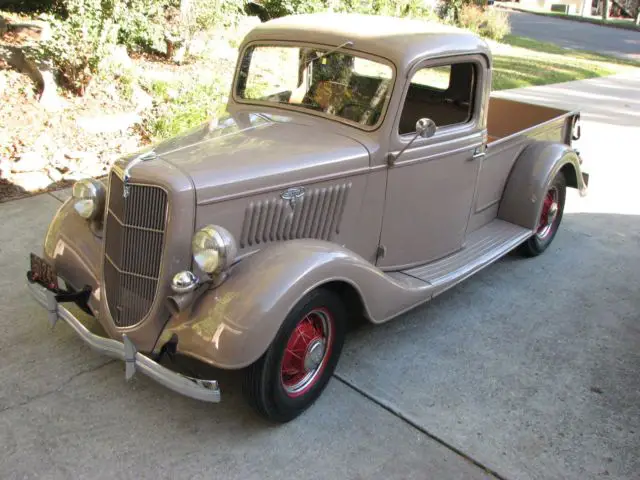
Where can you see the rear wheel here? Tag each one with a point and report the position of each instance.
(550, 218)
(295, 369)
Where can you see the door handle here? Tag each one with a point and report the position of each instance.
(479, 152)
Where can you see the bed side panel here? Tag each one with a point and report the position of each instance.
(498, 162)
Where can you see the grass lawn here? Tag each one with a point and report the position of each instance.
(524, 62)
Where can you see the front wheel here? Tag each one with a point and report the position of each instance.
(295, 369)
(550, 218)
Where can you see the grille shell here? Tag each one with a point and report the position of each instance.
(134, 244)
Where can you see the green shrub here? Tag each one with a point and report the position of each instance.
(79, 42)
(488, 22)
(29, 6)
(471, 17)
(184, 105)
(141, 23)
(217, 13)
(496, 24)
(280, 8)
(398, 8)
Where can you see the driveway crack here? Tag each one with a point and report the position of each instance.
(58, 389)
(397, 413)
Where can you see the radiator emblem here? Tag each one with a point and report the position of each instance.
(292, 194)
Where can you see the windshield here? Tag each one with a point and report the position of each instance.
(323, 80)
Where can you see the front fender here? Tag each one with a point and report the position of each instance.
(232, 325)
(530, 177)
(74, 251)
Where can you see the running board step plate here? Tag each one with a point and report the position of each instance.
(483, 247)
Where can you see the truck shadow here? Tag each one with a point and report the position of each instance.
(586, 246)
(504, 349)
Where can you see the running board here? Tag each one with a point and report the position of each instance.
(483, 247)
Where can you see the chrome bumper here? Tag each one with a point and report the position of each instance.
(205, 390)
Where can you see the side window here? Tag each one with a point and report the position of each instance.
(443, 93)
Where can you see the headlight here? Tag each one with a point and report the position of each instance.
(214, 249)
(89, 198)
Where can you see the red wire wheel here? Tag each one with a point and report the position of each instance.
(549, 213)
(307, 352)
(549, 220)
(295, 369)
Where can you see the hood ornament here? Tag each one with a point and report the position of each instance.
(151, 155)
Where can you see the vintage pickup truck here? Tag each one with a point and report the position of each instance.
(361, 169)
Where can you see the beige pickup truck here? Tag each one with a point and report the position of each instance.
(361, 169)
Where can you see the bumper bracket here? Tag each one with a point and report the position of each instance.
(204, 390)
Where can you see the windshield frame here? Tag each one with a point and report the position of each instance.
(308, 111)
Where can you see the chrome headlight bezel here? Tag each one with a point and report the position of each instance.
(89, 198)
(214, 249)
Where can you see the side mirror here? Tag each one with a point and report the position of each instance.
(425, 128)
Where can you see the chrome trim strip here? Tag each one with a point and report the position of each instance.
(204, 390)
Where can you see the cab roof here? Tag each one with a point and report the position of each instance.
(400, 40)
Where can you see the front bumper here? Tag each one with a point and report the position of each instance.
(205, 390)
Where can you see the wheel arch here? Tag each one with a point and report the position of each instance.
(232, 325)
(570, 175)
(529, 179)
(351, 298)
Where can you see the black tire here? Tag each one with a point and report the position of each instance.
(546, 231)
(275, 394)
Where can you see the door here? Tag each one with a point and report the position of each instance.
(430, 186)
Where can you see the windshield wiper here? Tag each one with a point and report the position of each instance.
(348, 43)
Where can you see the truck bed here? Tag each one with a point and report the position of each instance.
(510, 119)
(512, 126)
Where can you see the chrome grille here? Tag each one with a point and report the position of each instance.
(317, 215)
(133, 249)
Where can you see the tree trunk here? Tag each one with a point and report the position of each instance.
(605, 9)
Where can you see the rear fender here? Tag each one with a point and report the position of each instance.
(529, 180)
(232, 325)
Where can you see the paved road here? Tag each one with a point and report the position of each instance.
(584, 36)
(531, 368)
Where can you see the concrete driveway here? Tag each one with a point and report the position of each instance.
(529, 370)
(579, 35)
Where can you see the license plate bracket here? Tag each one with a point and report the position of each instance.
(43, 273)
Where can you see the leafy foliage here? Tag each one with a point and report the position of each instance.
(496, 24)
(80, 41)
(399, 8)
(489, 23)
(181, 106)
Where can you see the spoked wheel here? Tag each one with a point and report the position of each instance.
(307, 352)
(550, 218)
(295, 369)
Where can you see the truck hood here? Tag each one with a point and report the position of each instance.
(249, 152)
